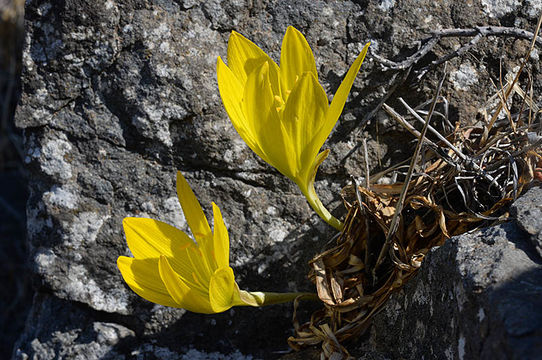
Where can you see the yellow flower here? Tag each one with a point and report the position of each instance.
(170, 269)
(282, 113)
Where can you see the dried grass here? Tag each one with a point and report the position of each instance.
(457, 181)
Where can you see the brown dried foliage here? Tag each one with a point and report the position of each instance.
(460, 181)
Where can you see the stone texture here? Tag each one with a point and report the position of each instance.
(528, 212)
(118, 95)
(73, 335)
(476, 297)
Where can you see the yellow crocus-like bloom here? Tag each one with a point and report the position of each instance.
(169, 268)
(282, 113)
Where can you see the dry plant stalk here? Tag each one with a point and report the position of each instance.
(464, 179)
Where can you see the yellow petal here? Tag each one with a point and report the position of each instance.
(222, 289)
(185, 297)
(231, 92)
(149, 239)
(192, 210)
(221, 240)
(143, 278)
(295, 58)
(244, 57)
(259, 107)
(337, 104)
(303, 116)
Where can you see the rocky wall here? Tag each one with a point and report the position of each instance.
(119, 95)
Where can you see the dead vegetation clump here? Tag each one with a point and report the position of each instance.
(459, 178)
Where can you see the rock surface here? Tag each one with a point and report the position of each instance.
(119, 95)
(476, 297)
(528, 211)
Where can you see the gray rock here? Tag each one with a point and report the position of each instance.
(528, 212)
(476, 297)
(59, 329)
(118, 95)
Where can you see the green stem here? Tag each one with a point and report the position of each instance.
(257, 298)
(319, 208)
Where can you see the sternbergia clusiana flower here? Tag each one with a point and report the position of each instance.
(169, 268)
(282, 113)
